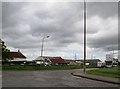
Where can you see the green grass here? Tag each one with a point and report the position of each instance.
(109, 72)
(26, 67)
(18, 67)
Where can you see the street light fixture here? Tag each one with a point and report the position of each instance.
(42, 45)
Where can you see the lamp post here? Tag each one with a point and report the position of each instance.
(84, 37)
(43, 44)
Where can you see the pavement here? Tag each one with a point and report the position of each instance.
(97, 77)
(50, 78)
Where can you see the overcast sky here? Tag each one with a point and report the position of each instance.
(24, 24)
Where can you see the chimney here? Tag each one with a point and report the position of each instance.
(18, 50)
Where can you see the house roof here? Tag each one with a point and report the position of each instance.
(57, 60)
(52, 59)
(16, 54)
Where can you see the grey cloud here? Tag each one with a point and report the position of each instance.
(25, 42)
(58, 22)
(105, 42)
(92, 31)
(16, 32)
(103, 9)
(10, 13)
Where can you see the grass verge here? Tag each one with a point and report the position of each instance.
(33, 67)
(20, 67)
(109, 72)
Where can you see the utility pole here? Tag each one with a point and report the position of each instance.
(91, 56)
(94, 57)
(75, 56)
(84, 36)
(113, 53)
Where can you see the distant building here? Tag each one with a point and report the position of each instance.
(110, 60)
(92, 62)
(101, 64)
(57, 61)
(70, 62)
(46, 60)
(73, 62)
(40, 60)
(80, 62)
(17, 58)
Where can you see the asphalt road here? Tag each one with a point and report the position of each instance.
(61, 78)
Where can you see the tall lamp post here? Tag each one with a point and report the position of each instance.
(43, 44)
(84, 37)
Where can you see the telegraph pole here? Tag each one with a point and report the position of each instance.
(75, 56)
(113, 53)
(84, 36)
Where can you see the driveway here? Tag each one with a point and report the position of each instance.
(61, 78)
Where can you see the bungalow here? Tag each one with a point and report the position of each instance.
(71, 62)
(17, 58)
(57, 61)
(92, 62)
(45, 60)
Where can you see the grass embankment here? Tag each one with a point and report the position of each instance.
(33, 67)
(109, 72)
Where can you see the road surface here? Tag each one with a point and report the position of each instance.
(58, 78)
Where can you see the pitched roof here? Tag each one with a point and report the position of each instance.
(16, 54)
(57, 60)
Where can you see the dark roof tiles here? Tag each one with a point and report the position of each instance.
(16, 54)
(57, 60)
